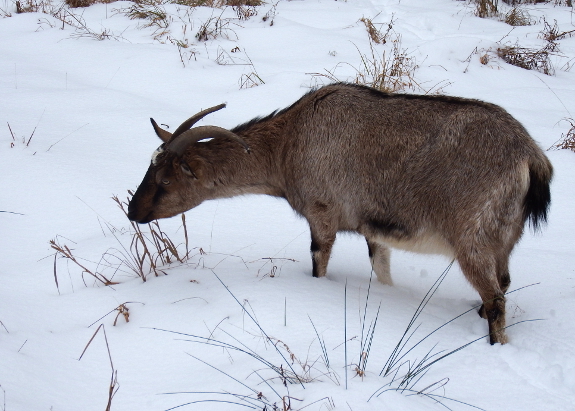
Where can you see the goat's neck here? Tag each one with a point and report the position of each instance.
(257, 172)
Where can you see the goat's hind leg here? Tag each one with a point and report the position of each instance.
(379, 256)
(503, 278)
(481, 270)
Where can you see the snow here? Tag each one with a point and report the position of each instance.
(88, 103)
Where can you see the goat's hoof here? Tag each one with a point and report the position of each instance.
(498, 337)
(481, 312)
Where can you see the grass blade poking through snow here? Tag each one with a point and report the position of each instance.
(405, 381)
(321, 344)
(366, 337)
(114, 386)
(260, 328)
(395, 357)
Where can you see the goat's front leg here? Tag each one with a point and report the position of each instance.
(320, 253)
(323, 233)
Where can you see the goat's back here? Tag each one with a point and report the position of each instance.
(421, 161)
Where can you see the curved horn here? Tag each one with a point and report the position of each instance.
(160, 132)
(181, 142)
(186, 125)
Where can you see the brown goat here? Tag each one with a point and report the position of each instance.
(431, 174)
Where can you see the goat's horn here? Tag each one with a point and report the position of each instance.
(186, 125)
(160, 132)
(179, 144)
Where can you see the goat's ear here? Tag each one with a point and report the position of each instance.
(196, 169)
(187, 170)
(164, 135)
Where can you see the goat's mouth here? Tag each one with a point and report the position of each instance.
(133, 216)
(144, 220)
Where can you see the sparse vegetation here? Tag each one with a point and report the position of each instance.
(149, 252)
(551, 33)
(25, 141)
(154, 16)
(538, 59)
(567, 140)
(402, 373)
(377, 35)
(518, 17)
(153, 12)
(114, 385)
(486, 8)
(215, 27)
(391, 70)
(528, 58)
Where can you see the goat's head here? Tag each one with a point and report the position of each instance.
(176, 179)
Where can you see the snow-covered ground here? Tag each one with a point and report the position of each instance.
(86, 104)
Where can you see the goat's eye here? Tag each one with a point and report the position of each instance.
(165, 181)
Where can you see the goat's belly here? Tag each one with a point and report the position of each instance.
(424, 243)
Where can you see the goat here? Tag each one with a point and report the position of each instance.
(432, 174)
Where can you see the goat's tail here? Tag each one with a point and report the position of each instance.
(538, 197)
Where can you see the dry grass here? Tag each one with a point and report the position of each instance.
(47, 6)
(114, 386)
(5, 13)
(86, 3)
(24, 140)
(551, 33)
(63, 251)
(149, 252)
(486, 8)
(155, 16)
(34, 6)
(529, 59)
(245, 12)
(514, 2)
(62, 12)
(154, 13)
(215, 27)
(391, 72)
(272, 391)
(271, 14)
(377, 35)
(518, 17)
(537, 59)
(44, 6)
(240, 58)
(567, 141)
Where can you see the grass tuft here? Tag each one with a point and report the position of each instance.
(215, 27)
(528, 58)
(567, 141)
(551, 33)
(63, 251)
(486, 8)
(377, 35)
(392, 72)
(518, 17)
(149, 252)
